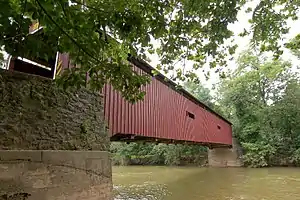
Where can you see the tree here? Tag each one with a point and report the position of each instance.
(262, 96)
(200, 92)
(161, 154)
(284, 124)
(294, 45)
(99, 35)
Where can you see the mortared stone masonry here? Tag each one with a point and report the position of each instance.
(53, 143)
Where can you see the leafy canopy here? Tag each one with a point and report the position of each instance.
(99, 34)
(262, 97)
(200, 92)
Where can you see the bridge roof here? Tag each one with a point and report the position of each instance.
(149, 69)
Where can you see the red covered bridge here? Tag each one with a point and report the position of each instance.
(165, 115)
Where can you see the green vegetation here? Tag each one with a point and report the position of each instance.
(160, 154)
(100, 34)
(262, 99)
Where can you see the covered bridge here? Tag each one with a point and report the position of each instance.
(167, 114)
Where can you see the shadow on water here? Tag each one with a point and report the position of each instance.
(171, 183)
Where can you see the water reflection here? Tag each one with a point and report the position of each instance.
(167, 183)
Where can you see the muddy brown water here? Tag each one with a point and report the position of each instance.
(191, 183)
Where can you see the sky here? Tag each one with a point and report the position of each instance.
(243, 44)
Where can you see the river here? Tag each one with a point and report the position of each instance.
(186, 183)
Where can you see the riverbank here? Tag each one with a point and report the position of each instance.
(150, 154)
(175, 155)
(161, 154)
(151, 160)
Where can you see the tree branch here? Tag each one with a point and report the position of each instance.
(65, 33)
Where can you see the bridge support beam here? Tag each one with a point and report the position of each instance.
(226, 157)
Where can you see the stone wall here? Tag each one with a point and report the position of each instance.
(43, 130)
(55, 175)
(225, 157)
(36, 115)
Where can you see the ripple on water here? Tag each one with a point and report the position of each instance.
(145, 191)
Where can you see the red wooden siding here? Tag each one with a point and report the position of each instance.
(163, 115)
